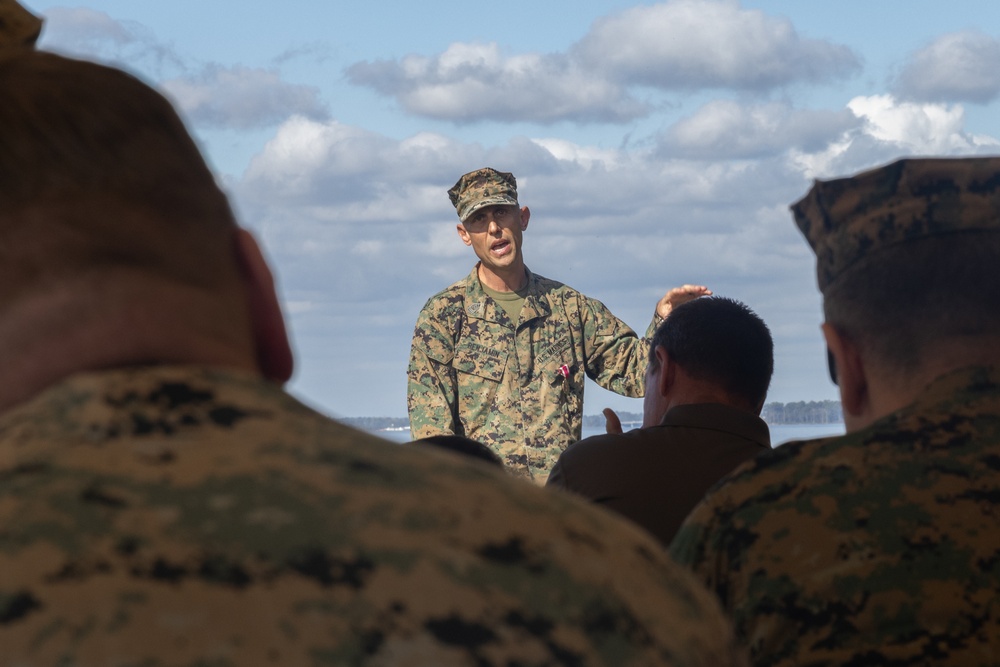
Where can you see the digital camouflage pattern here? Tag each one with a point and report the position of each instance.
(18, 26)
(847, 219)
(185, 516)
(517, 389)
(877, 548)
(481, 188)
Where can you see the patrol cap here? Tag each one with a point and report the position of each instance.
(482, 187)
(847, 219)
(18, 27)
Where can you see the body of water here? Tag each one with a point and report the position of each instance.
(780, 433)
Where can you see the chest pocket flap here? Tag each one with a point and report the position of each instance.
(474, 358)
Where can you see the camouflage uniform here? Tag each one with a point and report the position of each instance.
(518, 389)
(878, 548)
(186, 516)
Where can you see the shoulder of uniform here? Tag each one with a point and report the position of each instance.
(448, 299)
(547, 283)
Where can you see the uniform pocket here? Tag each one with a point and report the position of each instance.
(485, 362)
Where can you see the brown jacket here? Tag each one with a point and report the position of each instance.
(655, 476)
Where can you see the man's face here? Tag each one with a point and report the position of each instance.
(494, 232)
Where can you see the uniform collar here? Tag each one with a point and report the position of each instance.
(719, 417)
(479, 305)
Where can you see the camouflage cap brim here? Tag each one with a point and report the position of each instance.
(847, 219)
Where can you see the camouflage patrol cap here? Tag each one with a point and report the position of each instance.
(848, 219)
(19, 28)
(483, 187)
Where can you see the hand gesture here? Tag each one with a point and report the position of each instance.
(679, 295)
(612, 424)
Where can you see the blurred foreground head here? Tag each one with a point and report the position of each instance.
(116, 245)
(906, 258)
(19, 28)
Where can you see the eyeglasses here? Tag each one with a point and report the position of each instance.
(831, 365)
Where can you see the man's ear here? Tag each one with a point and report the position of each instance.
(464, 234)
(668, 371)
(525, 216)
(274, 353)
(854, 389)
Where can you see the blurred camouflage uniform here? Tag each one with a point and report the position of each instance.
(185, 516)
(880, 547)
(515, 386)
(517, 389)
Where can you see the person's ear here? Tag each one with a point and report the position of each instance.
(849, 370)
(668, 371)
(274, 353)
(464, 234)
(525, 216)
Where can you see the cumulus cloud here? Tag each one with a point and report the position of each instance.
(327, 194)
(917, 128)
(679, 45)
(334, 164)
(957, 67)
(471, 82)
(698, 44)
(242, 97)
(210, 95)
(89, 33)
(724, 129)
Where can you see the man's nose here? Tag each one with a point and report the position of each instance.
(494, 227)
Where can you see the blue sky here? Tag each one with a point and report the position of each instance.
(655, 143)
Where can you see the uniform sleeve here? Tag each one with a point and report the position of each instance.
(431, 392)
(615, 356)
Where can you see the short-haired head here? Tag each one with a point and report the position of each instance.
(906, 254)
(481, 188)
(461, 444)
(117, 246)
(19, 28)
(83, 147)
(720, 341)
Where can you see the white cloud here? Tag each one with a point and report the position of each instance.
(211, 95)
(89, 33)
(956, 67)
(333, 164)
(724, 129)
(697, 44)
(916, 128)
(679, 45)
(474, 82)
(242, 97)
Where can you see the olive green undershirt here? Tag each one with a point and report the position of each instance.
(511, 302)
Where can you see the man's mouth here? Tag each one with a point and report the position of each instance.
(500, 247)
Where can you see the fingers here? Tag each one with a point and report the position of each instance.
(679, 295)
(685, 293)
(612, 424)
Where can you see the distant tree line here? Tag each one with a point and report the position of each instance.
(803, 412)
(799, 412)
(598, 420)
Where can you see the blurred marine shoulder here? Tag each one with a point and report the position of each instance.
(193, 516)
